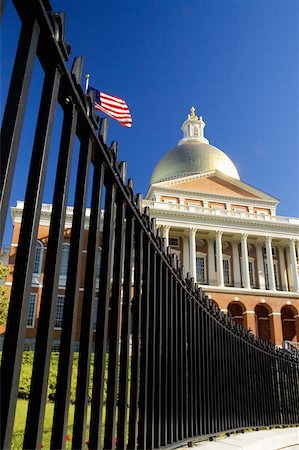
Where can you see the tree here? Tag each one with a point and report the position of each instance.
(3, 299)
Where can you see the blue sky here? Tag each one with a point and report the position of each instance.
(236, 61)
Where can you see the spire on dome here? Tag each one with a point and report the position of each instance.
(193, 128)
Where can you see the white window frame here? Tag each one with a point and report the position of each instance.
(175, 238)
(275, 268)
(227, 258)
(63, 277)
(32, 295)
(251, 261)
(36, 274)
(60, 319)
(276, 277)
(204, 257)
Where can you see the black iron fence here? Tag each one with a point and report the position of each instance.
(169, 366)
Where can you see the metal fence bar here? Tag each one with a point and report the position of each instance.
(43, 345)
(136, 326)
(60, 420)
(86, 332)
(125, 366)
(102, 318)
(18, 311)
(15, 110)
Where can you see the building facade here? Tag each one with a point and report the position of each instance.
(227, 235)
(225, 232)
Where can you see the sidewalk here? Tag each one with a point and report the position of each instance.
(275, 439)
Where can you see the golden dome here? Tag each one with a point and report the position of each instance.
(193, 155)
(192, 158)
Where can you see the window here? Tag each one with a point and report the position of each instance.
(31, 310)
(276, 274)
(98, 268)
(59, 311)
(267, 274)
(174, 241)
(64, 264)
(200, 269)
(226, 271)
(95, 312)
(251, 273)
(37, 262)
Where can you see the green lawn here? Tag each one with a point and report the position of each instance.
(20, 421)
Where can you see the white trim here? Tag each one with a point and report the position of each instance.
(34, 310)
(252, 260)
(255, 292)
(274, 314)
(204, 256)
(227, 258)
(249, 312)
(62, 296)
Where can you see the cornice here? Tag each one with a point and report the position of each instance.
(216, 219)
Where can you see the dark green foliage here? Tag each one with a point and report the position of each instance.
(25, 379)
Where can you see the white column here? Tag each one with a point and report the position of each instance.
(283, 270)
(219, 261)
(236, 264)
(245, 265)
(186, 254)
(165, 234)
(192, 247)
(211, 262)
(260, 266)
(270, 266)
(294, 265)
(289, 269)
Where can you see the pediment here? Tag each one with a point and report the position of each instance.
(214, 183)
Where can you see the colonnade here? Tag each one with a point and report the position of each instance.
(240, 262)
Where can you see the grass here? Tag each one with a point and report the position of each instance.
(20, 421)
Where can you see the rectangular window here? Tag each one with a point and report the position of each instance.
(226, 272)
(200, 269)
(251, 273)
(31, 310)
(267, 275)
(95, 312)
(59, 311)
(174, 242)
(276, 275)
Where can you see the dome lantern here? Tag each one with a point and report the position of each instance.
(193, 128)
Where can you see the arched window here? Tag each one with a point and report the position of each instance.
(235, 309)
(64, 264)
(37, 266)
(288, 323)
(263, 322)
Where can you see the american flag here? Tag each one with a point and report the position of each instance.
(114, 107)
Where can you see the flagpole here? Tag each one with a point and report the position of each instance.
(87, 77)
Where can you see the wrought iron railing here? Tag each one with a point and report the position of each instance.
(191, 370)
